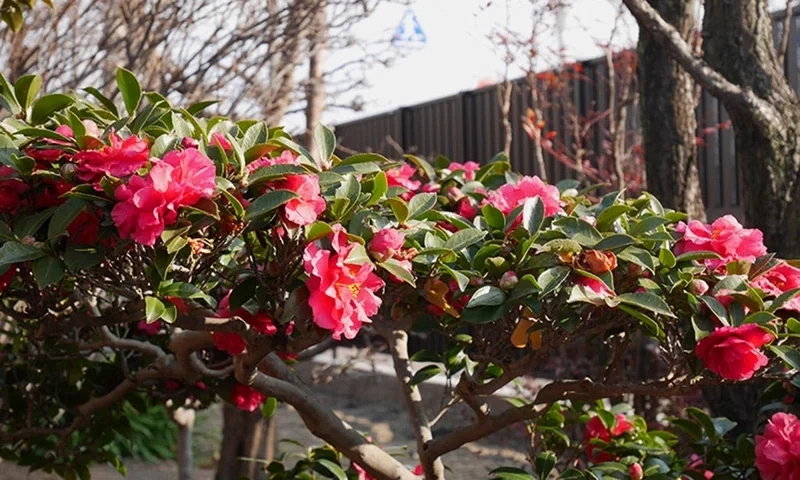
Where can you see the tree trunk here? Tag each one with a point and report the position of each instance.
(738, 43)
(245, 437)
(184, 419)
(668, 115)
(737, 38)
(315, 88)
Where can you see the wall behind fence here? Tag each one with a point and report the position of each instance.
(468, 126)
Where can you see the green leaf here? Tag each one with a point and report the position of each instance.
(186, 290)
(494, 217)
(552, 278)
(47, 105)
(606, 218)
(317, 230)
(699, 255)
(704, 420)
(380, 185)
(612, 242)
(544, 463)
(527, 285)
(162, 145)
(268, 202)
(63, 216)
(533, 215)
(153, 309)
(47, 271)
(646, 224)
(653, 327)
(782, 299)
(364, 158)
(487, 295)
(15, 252)
(395, 268)
(274, 172)
(79, 257)
(579, 231)
(399, 208)
(356, 168)
(326, 143)
(666, 258)
(269, 407)
(242, 293)
(420, 203)
(716, 308)
(26, 88)
(510, 473)
(102, 99)
(464, 238)
(130, 89)
(638, 256)
(788, 354)
(423, 165)
(486, 314)
(645, 300)
(425, 373)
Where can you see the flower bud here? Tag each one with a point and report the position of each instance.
(698, 287)
(508, 280)
(476, 281)
(188, 142)
(636, 472)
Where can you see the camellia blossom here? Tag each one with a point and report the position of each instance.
(509, 196)
(85, 229)
(11, 189)
(147, 206)
(778, 280)
(733, 352)
(342, 289)
(285, 158)
(596, 429)
(246, 397)
(44, 155)
(304, 209)
(469, 169)
(401, 177)
(725, 237)
(233, 343)
(119, 159)
(386, 243)
(593, 289)
(149, 328)
(778, 450)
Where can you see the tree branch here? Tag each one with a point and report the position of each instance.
(787, 25)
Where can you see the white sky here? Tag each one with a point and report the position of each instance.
(458, 55)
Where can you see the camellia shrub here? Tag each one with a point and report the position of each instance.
(147, 250)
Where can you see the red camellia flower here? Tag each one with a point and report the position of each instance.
(733, 352)
(7, 277)
(401, 177)
(246, 398)
(44, 155)
(233, 343)
(342, 290)
(595, 428)
(11, 188)
(51, 194)
(147, 206)
(386, 243)
(303, 210)
(467, 208)
(778, 280)
(778, 450)
(149, 328)
(508, 197)
(725, 237)
(85, 229)
(469, 169)
(119, 159)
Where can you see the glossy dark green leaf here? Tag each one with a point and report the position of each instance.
(510, 473)
(464, 238)
(130, 89)
(420, 204)
(15, 252)
(268, 202)
(153, 309)
(63, 216)
(552, 278)
(47, 271)
(425, 373)
(533, 215)
(487, 295)
(47, 105)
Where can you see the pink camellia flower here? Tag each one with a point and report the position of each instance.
(303, 210)
(469, 169)
(597, 287)
(508, 197)
(246, 397)
(233, 343)
(386, 243)
(342, 291)
(467, 208)
(119, 159)
(778, 450)
(401, 177)
(11, 189)
(147, 206)
(595, 428)
(219, 140)
(733, 352)
(725, 237)
(286, 158)
(778, 280)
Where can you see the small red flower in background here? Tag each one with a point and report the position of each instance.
(7, 277)
(595, 428)
(233, 343)
(219, 140)
(85, 229)
(246, 398)
(11, 189)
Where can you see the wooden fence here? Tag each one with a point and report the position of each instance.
(468, 126)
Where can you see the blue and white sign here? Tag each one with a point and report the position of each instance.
(409, 32)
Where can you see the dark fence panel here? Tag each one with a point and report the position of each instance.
(468, 126)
